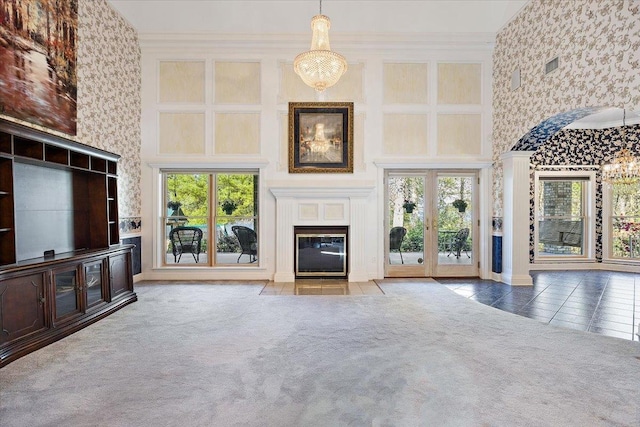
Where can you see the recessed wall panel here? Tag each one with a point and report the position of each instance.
(237, 133)
(406, 83)
(181, 81)
(459, 134)
(459, 84)
(349, 87)
(181, 133)
(405, 134)
(237, 83)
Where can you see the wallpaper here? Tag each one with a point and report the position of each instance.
(109, 87)
(582, 148)
(597, 43)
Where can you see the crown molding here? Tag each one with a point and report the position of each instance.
(276, 43)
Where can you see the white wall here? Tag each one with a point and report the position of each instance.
(371, 83)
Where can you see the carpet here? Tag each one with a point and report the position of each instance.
(215, 354)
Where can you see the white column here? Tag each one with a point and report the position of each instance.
(285, 209)
(357, 240)
(515, 240)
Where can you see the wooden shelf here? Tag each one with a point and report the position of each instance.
(5, 143)
(28, 148)
(57, 155)
(79, 160)
(98, 164)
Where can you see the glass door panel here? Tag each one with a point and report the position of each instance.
(93, 283)
(67, 301)
(454, 225)
(406, 225)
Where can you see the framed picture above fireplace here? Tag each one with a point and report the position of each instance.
(321, 137)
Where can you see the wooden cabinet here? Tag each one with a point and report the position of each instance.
(23, 308)
(50, 299)
(120, 274)
(62, 266)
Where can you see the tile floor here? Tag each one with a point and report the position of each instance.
(321, 287)
(602, 302)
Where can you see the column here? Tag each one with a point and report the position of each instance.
(515, 232)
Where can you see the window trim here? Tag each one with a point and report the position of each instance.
(159, 169)
(588, 241)
(607, 237)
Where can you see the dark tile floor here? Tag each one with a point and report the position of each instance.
(602, 302)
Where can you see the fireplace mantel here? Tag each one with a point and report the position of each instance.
(305, 202)
(311, 189)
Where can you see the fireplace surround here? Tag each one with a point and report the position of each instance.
(335, 203)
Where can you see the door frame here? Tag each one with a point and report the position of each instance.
(430, 267)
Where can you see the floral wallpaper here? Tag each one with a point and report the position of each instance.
(597, 43)
(108, 100)
(109, 103)
(582, 148)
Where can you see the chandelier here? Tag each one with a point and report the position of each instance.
(319, 67)
(625, 167)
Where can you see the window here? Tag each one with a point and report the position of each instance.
(211, 218)
(564, 222)
(624, 221)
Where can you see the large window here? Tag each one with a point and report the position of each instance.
(624, 221)
(210, 218)
(563, 216)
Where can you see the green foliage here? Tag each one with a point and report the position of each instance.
(241, 190)
(459, 204)
(413, 241)
(191, 190)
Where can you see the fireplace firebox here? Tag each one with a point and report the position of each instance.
(321, 251)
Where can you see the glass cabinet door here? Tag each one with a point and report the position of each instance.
(94, 283)
(67, 294)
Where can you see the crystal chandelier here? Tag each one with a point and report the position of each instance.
(625, 167)
(320, 68)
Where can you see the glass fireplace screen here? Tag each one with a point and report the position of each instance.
(321, 255)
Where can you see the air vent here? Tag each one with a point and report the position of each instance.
(515, 79)
(551, 65)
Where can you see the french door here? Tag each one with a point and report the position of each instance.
(432, 224)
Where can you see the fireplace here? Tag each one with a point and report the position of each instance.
(321, 251)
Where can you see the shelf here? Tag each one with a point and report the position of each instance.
(79, 160)
(112, 168)
(56, 154)
(28, 148)
(98, 164)
(5, 143)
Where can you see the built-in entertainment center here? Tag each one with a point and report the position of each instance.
(62, 266)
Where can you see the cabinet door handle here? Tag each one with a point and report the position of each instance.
(41, 299)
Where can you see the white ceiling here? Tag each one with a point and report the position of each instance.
(294, 16)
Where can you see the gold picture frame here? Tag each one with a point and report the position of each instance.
(321, 137)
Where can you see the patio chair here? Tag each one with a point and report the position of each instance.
(248, 242)
(185, 240)
(396, 236)
(459, 243)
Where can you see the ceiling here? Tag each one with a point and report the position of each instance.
(294, 16)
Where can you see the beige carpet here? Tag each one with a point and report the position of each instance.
(420, 355)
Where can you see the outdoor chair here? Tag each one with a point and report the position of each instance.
(396, 236)
(459, 243)
(185, 240)
(248, 242)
